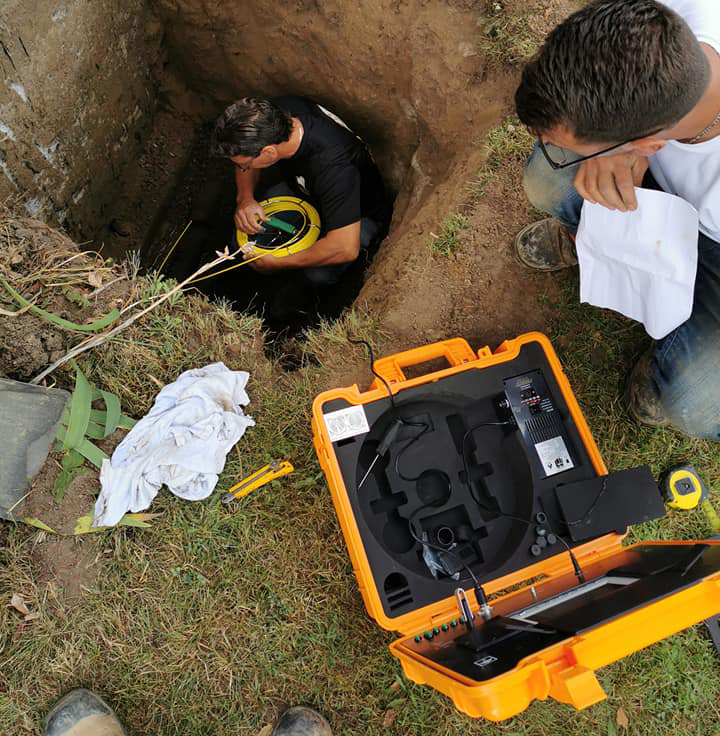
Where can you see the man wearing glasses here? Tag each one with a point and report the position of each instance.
(314, 155)
(622, 92)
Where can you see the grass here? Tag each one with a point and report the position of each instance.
(219, 616)
(448, 240)
(507, 145)
(506, 38)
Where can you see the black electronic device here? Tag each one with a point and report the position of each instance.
(442, 484)
(527, 402)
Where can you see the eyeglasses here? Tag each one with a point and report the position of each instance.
(556, 165)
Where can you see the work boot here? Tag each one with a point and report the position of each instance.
(545, 246)
(641, 395)
(82, 713)
(301, 721)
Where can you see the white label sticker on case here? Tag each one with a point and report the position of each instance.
(554, 456)
(346, 423)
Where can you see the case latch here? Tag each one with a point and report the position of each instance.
(576, 685)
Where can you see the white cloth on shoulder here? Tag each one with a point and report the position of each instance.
(182, 442)
(643, 263)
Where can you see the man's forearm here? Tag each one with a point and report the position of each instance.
(323, 253)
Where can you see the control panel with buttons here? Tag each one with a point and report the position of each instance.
(528, 404)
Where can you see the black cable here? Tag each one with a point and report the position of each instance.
(371, 357)
(528, 522)
(592, 506)
(425, 428)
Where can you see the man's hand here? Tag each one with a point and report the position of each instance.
(246, 217)
(611, 180)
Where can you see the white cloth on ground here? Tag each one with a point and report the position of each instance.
(182, 442)
(643, 263)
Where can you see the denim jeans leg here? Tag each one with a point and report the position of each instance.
(553, 191)
(686, 364)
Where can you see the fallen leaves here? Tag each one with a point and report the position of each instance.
(18, 603)
(94, 279)
(621, 719)
(390, 716)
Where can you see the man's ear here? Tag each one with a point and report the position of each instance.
(269, 155)
(647, 146)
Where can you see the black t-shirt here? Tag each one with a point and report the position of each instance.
(339, 174)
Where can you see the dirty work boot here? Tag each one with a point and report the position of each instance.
(545, 246)
(641, 395)
(82, 713)
(301, 721)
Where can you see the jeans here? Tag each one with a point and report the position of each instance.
(685, 365)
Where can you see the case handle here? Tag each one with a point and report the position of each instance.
(455, 351)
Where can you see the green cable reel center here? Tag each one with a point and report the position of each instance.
(277, 240)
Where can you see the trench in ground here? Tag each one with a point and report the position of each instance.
(171, 243)
(419, 113)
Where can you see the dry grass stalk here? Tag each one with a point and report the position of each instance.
(99, 339)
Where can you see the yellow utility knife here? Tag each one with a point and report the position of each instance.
(276, 469)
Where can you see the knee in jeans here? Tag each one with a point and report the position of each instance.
(541, 186)
(691, 400)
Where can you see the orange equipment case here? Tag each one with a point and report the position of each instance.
(550, 628)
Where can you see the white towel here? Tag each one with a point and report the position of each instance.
(642, 263)
(182, 443)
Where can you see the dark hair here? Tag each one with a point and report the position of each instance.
(614, 71)
(247, 126)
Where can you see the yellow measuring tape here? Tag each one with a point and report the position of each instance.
(305, 236)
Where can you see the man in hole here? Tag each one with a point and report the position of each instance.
(624, 93)
(292, 146)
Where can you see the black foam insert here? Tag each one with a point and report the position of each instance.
(422, 477)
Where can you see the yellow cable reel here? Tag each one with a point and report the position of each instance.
(305, 219)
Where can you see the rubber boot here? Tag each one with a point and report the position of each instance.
(301, 721)
(545, 246)
(641, 395)
(82, 713)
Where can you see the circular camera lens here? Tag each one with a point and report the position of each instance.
(445, 535)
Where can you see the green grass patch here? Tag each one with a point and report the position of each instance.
(506, 38)
(507, 145)
(448, 240)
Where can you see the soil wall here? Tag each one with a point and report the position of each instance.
(403, 73)
(76, 99)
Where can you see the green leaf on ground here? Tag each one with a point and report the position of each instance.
(113, 414)
(99, 324)
(79, 411)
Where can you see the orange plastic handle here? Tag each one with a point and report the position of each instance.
(455, 351)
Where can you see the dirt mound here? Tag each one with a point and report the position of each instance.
(48, 269)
